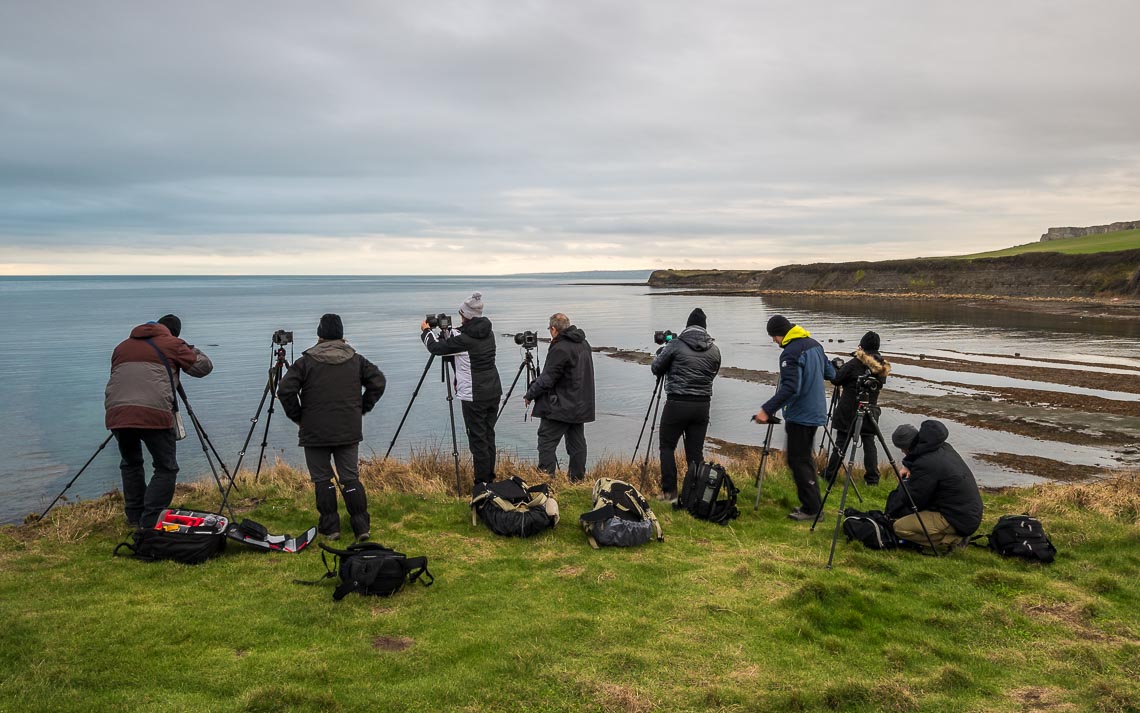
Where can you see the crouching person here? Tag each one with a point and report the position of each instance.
(322, 393)
(941, 484)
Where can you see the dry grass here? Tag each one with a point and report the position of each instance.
(1117, 496)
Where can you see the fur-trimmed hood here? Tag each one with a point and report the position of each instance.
(874, 362)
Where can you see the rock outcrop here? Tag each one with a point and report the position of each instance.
(1061, 233)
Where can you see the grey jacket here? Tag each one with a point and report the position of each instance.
(690, 363)
(327, 391)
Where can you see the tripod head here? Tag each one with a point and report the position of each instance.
(868, 384)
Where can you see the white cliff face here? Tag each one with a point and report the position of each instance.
(1059, 233)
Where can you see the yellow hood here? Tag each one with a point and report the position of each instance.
(796, 332)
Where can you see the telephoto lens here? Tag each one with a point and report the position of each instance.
(431, 321)
(527, 340)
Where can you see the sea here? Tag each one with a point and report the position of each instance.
(57, 335)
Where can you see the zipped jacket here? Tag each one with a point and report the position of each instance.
(803, 367)
(939, 481)
(473, 345)
(327, 391)
(138, 394)
(565, 389)
(847, 376)
(690, 363)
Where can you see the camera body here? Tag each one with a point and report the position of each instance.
(663, 337)
(868, 384)
(441, 320)
(281, 337)
(527, 340)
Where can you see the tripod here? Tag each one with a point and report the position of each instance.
(827, 421)
(207, 449)
(445, 374)
(772, 421)
(863, 412)
(76, 477)
(530, 364)
(654, 404)
(270, 392)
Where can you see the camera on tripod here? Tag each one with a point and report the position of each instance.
(441, 320)
(281, 337)
(662, 337)
(868, 384)
(527, 340)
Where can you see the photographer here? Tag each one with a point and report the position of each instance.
(941, 484)
(322, 394)
(564, 397)
(803, 367)
(689, 364)
(866, 361)
(477, 382)
(141, 403)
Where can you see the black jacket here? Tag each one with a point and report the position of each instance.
(565, 390)
(940, 481)
(477, 339)
(322, 393)
(846, 376)
(690, 363)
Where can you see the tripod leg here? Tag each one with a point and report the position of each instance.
(831, 481)
(511, 390)
(839, 517)
(903, 485)
(652, 427)
(409, 408)
(827, 421)
(76, 476)
(203, 439)
(454, 441)
(253, 421)
(848, 466)
(648, 408)
(760, 468)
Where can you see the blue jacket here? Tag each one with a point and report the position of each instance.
(803, 367)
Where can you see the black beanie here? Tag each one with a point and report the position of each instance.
(330, 327)
(697, 317)
(778, 326)
(869, 342)
(172, 323)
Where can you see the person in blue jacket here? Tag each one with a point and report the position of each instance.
(801, 395)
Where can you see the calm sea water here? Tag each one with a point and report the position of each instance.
(58, 334)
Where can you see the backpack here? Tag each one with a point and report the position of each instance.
(1020, 536)
(621, 516)
(708, 494)
(185, 536)
(872, 528)
(512, 508)
(371, 568)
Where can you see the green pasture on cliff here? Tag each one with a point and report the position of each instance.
(737, 618)
(1108, 242)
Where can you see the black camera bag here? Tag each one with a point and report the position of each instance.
(621, 516)
(512, 508)
(371, 568)
(185, 536)
(1020, 536)
(872, 528)
(708, 494)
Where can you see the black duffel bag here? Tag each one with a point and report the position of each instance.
(185, 536)
(371, 568)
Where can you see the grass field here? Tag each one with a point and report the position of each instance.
(1109, 242)
(738, 618)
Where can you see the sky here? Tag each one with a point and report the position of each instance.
(501, 137)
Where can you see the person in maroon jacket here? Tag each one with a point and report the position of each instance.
(140, 401)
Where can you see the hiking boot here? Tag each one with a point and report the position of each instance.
(332, 536)
(363, 537)
(871, 483)
(800, 515)
(668, 496)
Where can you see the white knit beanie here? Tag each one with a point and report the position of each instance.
(472, 307)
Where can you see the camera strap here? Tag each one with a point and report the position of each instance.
(169, 373)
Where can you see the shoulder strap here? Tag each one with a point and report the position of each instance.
(169, 372)
(330, 570)
(417, 567)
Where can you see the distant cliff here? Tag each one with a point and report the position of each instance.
(1111, 274)
(1062, 233)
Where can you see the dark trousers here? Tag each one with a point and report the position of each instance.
(839, 456)
(479, 420)
(320, 460)
(550, 432)
(143, 503)
(690, 418)
(801, 444)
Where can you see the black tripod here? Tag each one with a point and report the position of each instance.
(278, 365)
(654, 404)
(772, 421)
(207, 449)
(76, 477)
(447, 367)
(827, 421)
(530, 364)
(867, 385)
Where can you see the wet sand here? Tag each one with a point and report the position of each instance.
(1070, 377)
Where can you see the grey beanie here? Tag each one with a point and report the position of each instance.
(904, 437)
(472, 307)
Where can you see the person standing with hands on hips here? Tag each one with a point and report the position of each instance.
(689, 364)
(800, 393)
(563, 397)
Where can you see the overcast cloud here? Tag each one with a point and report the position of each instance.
(490, 137)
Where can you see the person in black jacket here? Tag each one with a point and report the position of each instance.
(322, 393)
(941, 484)
(477, 382)
(689, 364)
(867, 360)
(563, 397)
